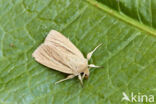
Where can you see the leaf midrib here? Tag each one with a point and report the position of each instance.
(123, 18)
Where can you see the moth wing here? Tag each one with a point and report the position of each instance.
(57, 38)
(49, 56)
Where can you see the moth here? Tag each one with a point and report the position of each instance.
(58, 52)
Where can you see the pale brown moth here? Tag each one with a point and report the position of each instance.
(58, 52)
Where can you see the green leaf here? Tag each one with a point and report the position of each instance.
(127, 53)
(141, 10)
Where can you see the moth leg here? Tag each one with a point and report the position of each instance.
(89, 55)
(81, 79)
(68, 77)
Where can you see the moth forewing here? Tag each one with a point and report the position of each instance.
(59, 40)
(46, 55)
(58, 52)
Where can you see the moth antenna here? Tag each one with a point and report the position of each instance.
(94, 66)
(89, 55)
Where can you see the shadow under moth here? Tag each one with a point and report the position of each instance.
(58, 52)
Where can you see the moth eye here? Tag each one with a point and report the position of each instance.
(82, 73)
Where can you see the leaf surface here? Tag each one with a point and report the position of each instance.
(127, 54)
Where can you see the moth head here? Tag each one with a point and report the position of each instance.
(85, 74)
